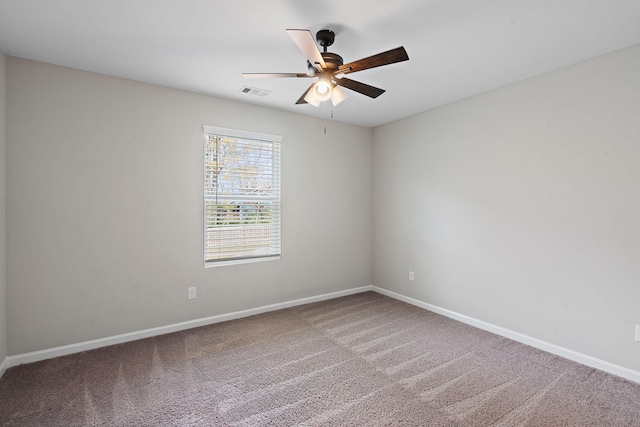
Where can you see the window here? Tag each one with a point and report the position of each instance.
(241, 196)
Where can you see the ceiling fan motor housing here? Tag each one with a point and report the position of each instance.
(331, 60)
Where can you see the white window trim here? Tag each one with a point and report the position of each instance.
(236, 133)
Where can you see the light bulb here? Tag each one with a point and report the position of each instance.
(322, 89)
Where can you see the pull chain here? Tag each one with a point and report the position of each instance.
(325, 118)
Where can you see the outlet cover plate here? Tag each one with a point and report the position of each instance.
(637, 332)
(192, 293)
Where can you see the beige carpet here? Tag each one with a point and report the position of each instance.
(362, 360)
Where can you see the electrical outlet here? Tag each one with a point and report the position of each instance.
(637, 332)
(412, 276)
(192, 293)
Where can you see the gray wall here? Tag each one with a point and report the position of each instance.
(517, 207)
(520, 207)
(104, 217)
(3, 210)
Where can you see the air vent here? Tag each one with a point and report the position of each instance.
(254, 91)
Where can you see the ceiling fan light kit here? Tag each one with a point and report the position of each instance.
(322, 92)
(329, 68)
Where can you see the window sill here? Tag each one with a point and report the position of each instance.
(240, 261)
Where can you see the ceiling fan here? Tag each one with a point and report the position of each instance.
(330, 70)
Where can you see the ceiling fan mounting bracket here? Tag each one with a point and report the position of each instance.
(325, 38)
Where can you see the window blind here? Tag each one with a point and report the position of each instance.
(241, 196)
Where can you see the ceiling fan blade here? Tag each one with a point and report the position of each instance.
(301, 100)
(385, 58)
(365, 89)
(307, 44)
(273, 75)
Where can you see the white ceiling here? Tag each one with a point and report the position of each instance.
(457, 48)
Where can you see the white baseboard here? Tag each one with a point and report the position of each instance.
(593, 362)
(584, 359)
(36, 356)
(3, 366)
